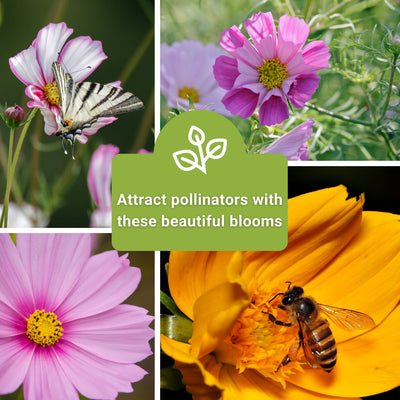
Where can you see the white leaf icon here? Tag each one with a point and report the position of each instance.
(216, 148)
(186, 160)
(196, 136)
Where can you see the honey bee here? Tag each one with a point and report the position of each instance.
(315, 335)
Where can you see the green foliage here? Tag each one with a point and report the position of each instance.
(356, 107)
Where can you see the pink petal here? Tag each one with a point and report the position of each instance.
(261, 28)
(50, 120)
(46, 379)
(48, 44)
(292, 34)
(54, 263)
(241, 102)
(302, 89)
(99, 175)
(26, 68)
(101, 218)
(15, 285)
(292, 144)
(316, 54)
(11, 323)
(15, 357)
(236, 44)
(95, 377)
(273, 111)
(225, 71)
(105, 282)
(81, 56)
(119, 335)
(103, 121)
(35, 93)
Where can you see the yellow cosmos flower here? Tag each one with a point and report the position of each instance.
(342, 257)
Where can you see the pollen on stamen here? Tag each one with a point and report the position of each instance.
(51, 94)
(272, 73)
(261, 344)
(189, 92)
(43, 328)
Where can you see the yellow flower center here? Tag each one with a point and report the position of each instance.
(51, 94)
(189, 92)
(272, 73)
(260, 344)
(43, 328)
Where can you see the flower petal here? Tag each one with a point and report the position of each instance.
(241, 102)
(106, 280)
(225, 71)
(261, 28)
(46, 379)
(26, 68)
(119, 335)
(273, 111)
(15, 358)
(54, 263)
(310, 248)
(207, 271)
(366, 365)
(15, 285)
(95, 377)
(302, 89)
(291, 144)
(48, 44)
(316, 54)
(292, 34)
(81, 56)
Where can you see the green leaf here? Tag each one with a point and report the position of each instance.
(176, 328)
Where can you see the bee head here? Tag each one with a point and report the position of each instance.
(291, 295)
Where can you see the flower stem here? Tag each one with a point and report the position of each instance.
(12, 162)
(4, 214)
(390, 85)
(308, 9)
(338, 7)
(339, 116)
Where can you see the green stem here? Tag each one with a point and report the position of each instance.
(339, 116)
(4, 214)
(20, 393)
(308, 10)
(290, 8)
(389, 93)
(11, 172)
(339, 7)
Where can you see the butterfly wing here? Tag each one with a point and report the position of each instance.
(66, 88)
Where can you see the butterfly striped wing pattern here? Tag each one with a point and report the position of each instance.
(83, 103)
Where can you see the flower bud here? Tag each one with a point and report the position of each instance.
(14, 116)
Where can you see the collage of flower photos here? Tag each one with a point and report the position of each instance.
(87, 83)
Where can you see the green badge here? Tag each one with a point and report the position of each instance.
(199, 191)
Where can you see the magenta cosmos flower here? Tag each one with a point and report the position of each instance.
(293, 144)
(62, 327)
(79, 56)
(99, 183)
(271, 68)
(186, 71)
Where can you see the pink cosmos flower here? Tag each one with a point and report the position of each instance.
(293, 144)
(270, 69)
(186, 71)
(99, 183)
(79, 56)
(62, 327)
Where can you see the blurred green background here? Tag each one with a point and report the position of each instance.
(46, 177)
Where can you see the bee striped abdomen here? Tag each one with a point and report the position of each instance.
(322, 344)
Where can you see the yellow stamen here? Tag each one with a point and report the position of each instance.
(261, 344)
(43, 328)
(51, 94)
(272, 73)
(189, 92)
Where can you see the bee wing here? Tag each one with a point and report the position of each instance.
(347, 319)
(306, 333)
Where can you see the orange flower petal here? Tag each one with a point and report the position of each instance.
(366, 275)
(321, 224)
(366, 365)
(216, 311)
(191, 274)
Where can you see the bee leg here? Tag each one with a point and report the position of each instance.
(277, 322)
(291, 356)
